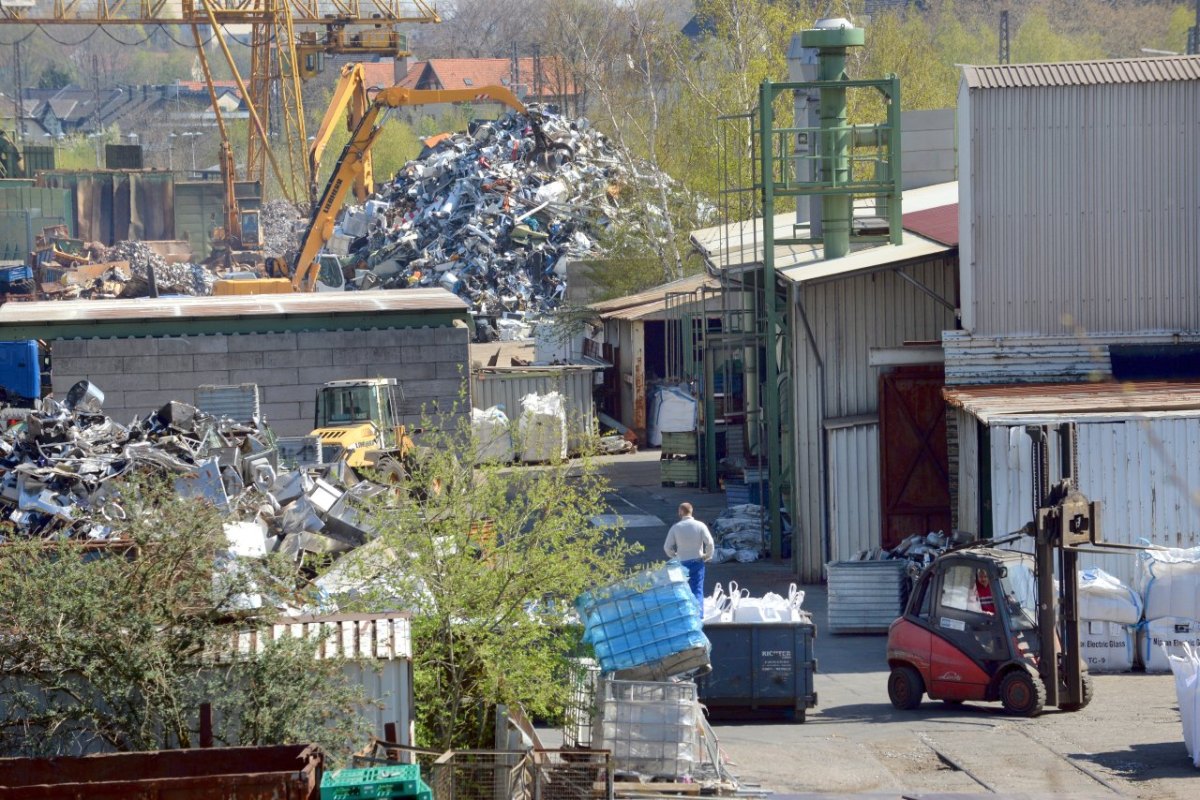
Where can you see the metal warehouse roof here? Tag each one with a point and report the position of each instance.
(989, 403)
(652, 302)
(1084, 73)
(232, 314)
(914, 248)
(939, 223)
(739, 245)
(357, 637)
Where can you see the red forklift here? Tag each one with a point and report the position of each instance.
(984, 623)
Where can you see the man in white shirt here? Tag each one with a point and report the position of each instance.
(690, 541)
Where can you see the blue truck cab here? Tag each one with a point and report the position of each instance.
(21, 366)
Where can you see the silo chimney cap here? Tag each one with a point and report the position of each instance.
(833, 23)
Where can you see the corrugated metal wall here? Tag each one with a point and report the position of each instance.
(506, 387)
(849, 317)
(199, 207)
(1146, 472)
(50, 207)
(1084, 208)
(854, 504)
(964, 476)
(978, 360)
(112, 205)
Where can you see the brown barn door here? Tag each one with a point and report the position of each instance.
(915, 474)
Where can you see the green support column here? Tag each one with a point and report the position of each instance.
(766, 101)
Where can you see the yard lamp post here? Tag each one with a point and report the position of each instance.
(191, 136)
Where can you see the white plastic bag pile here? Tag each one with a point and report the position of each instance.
(737, 606)
(1186, 669)
(543, 428)
(1109, 612)
(493, 437)
(740, 533)
(1169, 580)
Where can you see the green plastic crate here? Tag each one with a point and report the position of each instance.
(395, 781)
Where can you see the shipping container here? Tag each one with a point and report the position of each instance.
(499, 386)
(24, 211)
(285, 772)
(760, 670)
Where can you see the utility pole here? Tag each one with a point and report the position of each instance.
(1193, 40)
(1004, 55)
(20, 93)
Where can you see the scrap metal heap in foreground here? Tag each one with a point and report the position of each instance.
(62, 470)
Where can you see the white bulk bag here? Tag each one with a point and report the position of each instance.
(543, 428)
(1169, 580)
(1186, 669)
(1158, 637)
(1105, 646)
(1104, 597)
(493, 438)
(676, 411)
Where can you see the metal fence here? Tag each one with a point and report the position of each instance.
(482, 775)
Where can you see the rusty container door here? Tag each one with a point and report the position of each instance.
(281, 772)
(914, 468)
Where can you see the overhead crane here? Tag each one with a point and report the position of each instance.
(288, 38)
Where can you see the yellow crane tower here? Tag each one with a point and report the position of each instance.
(288, 38)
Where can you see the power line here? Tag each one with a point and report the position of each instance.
(127, 44)
(66, 44)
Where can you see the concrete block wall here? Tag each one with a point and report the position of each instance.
(138, 375)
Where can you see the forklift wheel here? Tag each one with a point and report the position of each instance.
(1087, 695)
(905, 687)
(1022, 694)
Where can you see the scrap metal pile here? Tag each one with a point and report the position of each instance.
(919, 550)
(492, 215)
(280, 225)
(183, 278)
(62, 469)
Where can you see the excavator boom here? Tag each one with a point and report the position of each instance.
(354, 162)
(350, 102)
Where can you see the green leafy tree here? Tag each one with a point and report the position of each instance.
(54, 76)
(117, 647)
(1039, 40)
(489, 562)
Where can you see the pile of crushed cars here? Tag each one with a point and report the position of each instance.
(62, 468)
(493, 215)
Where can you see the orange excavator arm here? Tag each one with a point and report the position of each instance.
(349, 101)
(355, 160)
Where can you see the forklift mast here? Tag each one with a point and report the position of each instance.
(1063, 520)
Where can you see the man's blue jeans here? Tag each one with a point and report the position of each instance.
(695, 569)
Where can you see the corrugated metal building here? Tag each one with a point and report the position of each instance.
(869, 320)
(147, 351)
(1080, 272)
(635, 327)
(1080, 199)
(1139, 454)
(858, 322)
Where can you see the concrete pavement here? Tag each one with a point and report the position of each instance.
(1127, 743)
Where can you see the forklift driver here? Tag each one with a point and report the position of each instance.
(981, 598)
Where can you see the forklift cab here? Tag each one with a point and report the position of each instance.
(970, 623)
